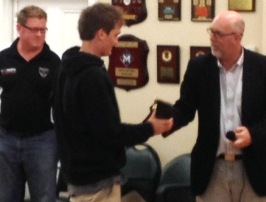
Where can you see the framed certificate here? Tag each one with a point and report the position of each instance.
(202, 10)
(242, 5)
(168, 64)
(169, 10)
(196, 51)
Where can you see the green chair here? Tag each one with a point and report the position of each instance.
(174, 184)
(142, 170)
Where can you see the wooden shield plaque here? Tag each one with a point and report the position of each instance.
(128, 63)
(135, 11)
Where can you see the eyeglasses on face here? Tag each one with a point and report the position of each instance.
(218, 34)
(36, 29)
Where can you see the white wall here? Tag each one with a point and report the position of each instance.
(134, 104)
(6, 23)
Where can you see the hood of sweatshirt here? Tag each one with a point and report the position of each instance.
(74, 61)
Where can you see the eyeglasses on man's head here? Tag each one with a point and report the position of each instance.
(36, 29)
(219, 34)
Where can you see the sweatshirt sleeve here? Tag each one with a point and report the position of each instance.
(102, 114)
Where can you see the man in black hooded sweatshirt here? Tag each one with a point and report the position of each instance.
(91, 137)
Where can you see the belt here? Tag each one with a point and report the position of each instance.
(230, 157)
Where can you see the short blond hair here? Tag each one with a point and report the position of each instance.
(30, 12)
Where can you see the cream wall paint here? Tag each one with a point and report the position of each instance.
(134, 104)
(263, 26)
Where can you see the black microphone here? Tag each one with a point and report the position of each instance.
(231, 135)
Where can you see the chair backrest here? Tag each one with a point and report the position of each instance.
(174, 184)
(142, 170)
(177, 170)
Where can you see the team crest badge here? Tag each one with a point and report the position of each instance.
(43, 71)
(126, 58)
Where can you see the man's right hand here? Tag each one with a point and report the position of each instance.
(160, 125)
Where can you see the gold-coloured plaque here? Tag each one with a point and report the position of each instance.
(127, 44)
(127, 72)
(127, 82)
(241, 5)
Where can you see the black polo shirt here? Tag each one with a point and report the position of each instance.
(27, 87)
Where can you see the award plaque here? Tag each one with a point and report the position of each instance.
(164, 110)
(135, 11)
(169, 10)
(202, 10)
(242, 5)
(168, 62)
(196, 51)
(128, 63)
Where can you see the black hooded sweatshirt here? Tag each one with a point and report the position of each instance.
(91, 137)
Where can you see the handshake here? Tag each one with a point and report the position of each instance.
(160, 117)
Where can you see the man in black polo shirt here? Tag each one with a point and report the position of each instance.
(28, 150)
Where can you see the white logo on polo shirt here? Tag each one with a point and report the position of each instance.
(43, 71)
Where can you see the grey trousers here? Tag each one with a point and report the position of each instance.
(229, 183)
